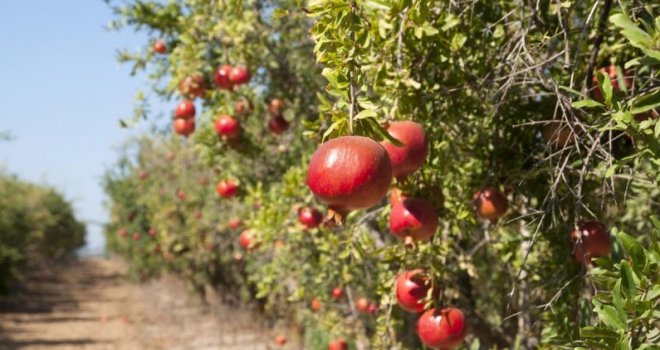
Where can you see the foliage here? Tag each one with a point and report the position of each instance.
(485, 79)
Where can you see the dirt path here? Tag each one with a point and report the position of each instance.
(88, 304)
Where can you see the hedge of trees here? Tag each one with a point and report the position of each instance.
(36, 223)
(526, 208)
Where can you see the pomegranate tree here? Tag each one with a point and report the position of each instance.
(591, 240)
(442, 329)
(415, 218)
(489, 203)
(411, 289)
(410, 156)
(227, 126)
(350, 173)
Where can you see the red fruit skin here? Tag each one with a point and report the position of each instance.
(372, 309)
(184, 127)
(221, 77)
(339, 344)
(245, 239)
(227, 126)
(234, 223)
(611, 72)
(411, 289)
(362, 305)
(278, 125)
(226, 188)
(185, 109)
(315, 305)
(413, 217)
(239, 75)
(337, 293)
(160, 47)
(193, 86)
(350, 173)
(412, 155)
(596, 241)
(490, 203)
(152, 232)
(280, 340)
(310, 217)
(444, 329)
(181, 195)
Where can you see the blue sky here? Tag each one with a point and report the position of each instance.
(62, 93)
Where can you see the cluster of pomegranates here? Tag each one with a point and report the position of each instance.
(184, 118)
(276, 123)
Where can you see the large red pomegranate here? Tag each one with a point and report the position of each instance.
(310, 217)
(489, 203)
(338, 344)
(411, 289)
(184, 127)
(278, 125)
(239, 75)
(185, 109)
(160, 47)
(443, 329)
(221, 77)
(411, 156)
(413, 217)
(610, 71)
(591, 241)
(193, 86)
(227, 126)
(226, 188)
(350, 173)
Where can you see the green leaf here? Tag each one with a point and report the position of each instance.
(586, 103)
(366, 113)
(609, 317)
(632, 32)
(617, 301)
(646, 102)
(628, 279)
(605, 85)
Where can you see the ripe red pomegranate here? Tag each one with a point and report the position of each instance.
(226, 188)
(239, 75)
(490, 203)
(185, 109)
(221, 77)
(411, 289)
(181, 195)
(136, 236)
(143, 174)
(278, 125)
(412, 155)
(350, 173)
(184, 127)
(160, 47)
(558, 135)
(234, 223)
(243, 107)
(227, 126)
(610, 71)
(415, 218)
(152, 232)
(443, 329)
(280, 340)
(193, 86)
(591, 241)
(362, 304)
(310, 217)
(275, 107)
(337, 293)
(338, 344)
(246, 239)
(123, 233)
(315, 305)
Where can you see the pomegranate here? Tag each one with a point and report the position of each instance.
(591, 241)
(143, 174)
(415, 218)
(152, 232)
(239, 75)
(275, 107)
(558, 135)
(412, 155)
(246, 239)
(310, 217)
(184, 127)
(181, 195)
(203, 181)
(136, 236)
(243, 107)
(278, 125)
(234, 223)
(337, 293)
(227, 126)
(170, 156)
(443, 329)
(193, 86)
(350, 173)
(411, 289)
(372, 309)
(226, 188)
(490, 203)
(610, 71)
(160, 47)
(362, 304)
(123, 233)
(280, 340)
(185, 109)
(315, 305)
(198, 215)
(338, 344)
(221, 77)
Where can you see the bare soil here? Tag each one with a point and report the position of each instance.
(89, 304)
